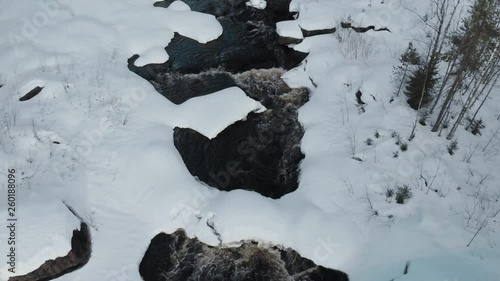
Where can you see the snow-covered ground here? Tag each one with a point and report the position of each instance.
(117, 166)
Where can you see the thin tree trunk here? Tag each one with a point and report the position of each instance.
(485, 98)
(491, 76)
(452, 61)
(402, 81)
(447, 76)
(472, 96)
(447, 101)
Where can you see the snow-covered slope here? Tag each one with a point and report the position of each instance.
(117, 166)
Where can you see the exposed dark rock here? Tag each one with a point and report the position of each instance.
(261, 153)
(306, 33)
(77, 257)
(31, 94)
(180, 87)
(258, 84)
(383, 29)
(176, 257)
(279, 6)
(289, 40)
(345, 24)
(358, 98)
(362, 29)
(309, 33)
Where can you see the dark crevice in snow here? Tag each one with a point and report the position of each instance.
(31, 94)
(362, 29)
(211, 225)
(359, 94)
(176, 257)
(309, 33)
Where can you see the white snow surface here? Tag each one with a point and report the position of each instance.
(289, 28)
(179, 6)
(259, 4)
(215, 112)
(117, 167)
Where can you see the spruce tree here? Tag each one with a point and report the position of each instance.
(420, 85)
(408, 59)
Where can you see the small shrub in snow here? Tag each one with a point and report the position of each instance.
(396, 136)
(389, 192)
(423, 118)
(395, 154)
(403, 194)
(452, 147)
(404, 146)
(354, 45)
(377, 134)
(476, 126)
(369, 141)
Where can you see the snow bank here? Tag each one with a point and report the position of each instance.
(211, 114)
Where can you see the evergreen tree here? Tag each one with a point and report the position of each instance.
(474, 48)
(408, 59)
(420, 85)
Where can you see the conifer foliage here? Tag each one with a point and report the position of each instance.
(420, 85)
(409, 60)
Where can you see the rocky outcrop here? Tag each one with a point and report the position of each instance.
(261, 153)
(309, 33)
(77, 257)
(178, 88)
(176, 257)
(285, 40)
